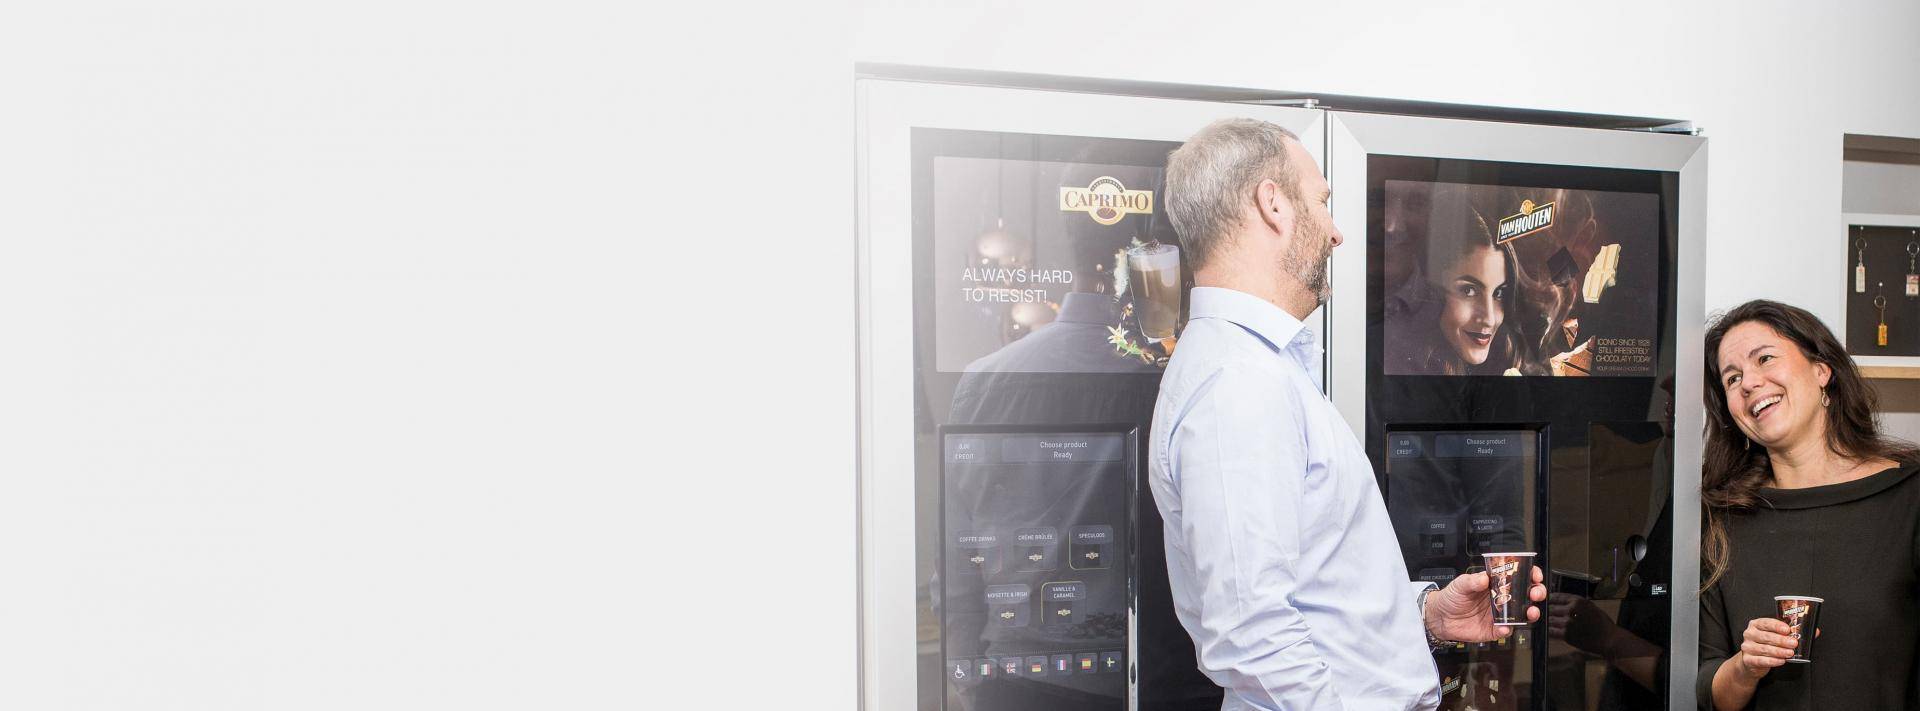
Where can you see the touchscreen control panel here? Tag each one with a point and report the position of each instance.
(1034, 600)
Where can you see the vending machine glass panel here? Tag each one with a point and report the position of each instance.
(1051, 288)
(1537, 294)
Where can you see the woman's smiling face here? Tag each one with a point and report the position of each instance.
(1475, 287)
(1773, 390)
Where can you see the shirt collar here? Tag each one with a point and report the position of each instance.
(1271, 323)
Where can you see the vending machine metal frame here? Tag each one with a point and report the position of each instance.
(894, 652)
(1352, 137)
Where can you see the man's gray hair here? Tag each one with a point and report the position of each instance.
(1212, 176)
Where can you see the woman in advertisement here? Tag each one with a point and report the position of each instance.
(1809, 518)
(1453, 319)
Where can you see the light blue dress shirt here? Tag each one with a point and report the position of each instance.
(1283, 563)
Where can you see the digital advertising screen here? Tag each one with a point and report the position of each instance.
(1051, 266)
(1520, 281)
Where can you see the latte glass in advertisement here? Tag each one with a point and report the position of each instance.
(1520, 280)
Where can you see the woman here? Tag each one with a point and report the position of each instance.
(1452, 326)
(1803, 496)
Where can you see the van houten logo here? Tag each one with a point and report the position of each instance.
(1106, 200)
(1532, 218)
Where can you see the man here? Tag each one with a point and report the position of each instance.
(1283, 562)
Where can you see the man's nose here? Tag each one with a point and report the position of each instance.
(1337, 238)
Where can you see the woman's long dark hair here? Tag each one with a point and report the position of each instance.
(1733, 467)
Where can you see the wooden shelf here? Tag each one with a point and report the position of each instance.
(1888, 367)
(1891, 372)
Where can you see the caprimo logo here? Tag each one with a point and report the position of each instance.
(1794, 611)
(1503, 569)
(1106, 200)
(1532, 218)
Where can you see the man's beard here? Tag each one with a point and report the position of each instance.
(1307, 259)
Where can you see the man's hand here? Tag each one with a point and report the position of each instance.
(1463, 610)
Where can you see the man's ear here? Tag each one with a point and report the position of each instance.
(1276, 211)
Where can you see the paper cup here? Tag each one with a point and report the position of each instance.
(1802, 615)
(1509, 575)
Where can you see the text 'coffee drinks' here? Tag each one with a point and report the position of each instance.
(1802, 615)
(1509, 575)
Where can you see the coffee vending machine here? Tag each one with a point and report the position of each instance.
(1530, 309)
(1020, 288)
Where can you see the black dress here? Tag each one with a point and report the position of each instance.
(1853, 544)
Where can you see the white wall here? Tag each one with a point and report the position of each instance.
(409, 354)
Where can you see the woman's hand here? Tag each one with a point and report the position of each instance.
(1763, 647)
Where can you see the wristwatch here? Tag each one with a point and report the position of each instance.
(1434, 644)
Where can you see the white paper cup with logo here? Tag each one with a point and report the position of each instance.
(1802, 615)
(1509, 576)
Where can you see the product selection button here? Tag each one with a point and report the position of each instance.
(1488, 533)
(1437, 576)
(1061, 602)
(977, 552)
(1008, 605)
(1436, 536)
(1090, 547)
(1037, 549)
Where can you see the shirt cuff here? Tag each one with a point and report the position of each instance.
(1420, 586)
(1420, 590)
